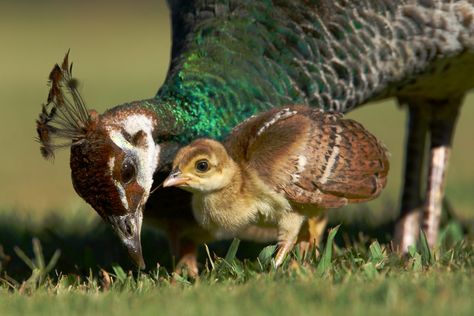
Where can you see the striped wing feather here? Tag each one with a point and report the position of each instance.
(258, 137)
(314, 157)
(351, 165)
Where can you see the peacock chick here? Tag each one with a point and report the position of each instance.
(280, 168)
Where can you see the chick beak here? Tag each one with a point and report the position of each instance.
(128, 228)
(175, 178)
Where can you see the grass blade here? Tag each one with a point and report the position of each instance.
(38, 251)
(24, 258)
(417, 263)
(265, 256)
(370, 270)
(376, 253)
(53, 261)
(325, 262)
(412, 250)
(209, 257)
(232, 252)
(425, 251)
(119, 273)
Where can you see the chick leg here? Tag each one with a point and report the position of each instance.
(312, 233)
(289, 226)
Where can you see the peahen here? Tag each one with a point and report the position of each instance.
(232, 59)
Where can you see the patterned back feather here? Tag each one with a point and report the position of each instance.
(232, 59)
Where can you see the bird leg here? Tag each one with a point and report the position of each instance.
(289, 226)
(186, 250)
(438, 117)
(188, 259)
(442, 124)
(408, 223)
(312, 233)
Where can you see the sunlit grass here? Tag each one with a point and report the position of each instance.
(363, 278)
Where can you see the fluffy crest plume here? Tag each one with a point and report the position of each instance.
(64, 116)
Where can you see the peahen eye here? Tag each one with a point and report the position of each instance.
(128, 172)
(202, 165)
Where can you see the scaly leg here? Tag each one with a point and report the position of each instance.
(188, 258)
(443, 121)
(408, 223)
(313, 233)
(439, 118)
(289, 226)
(186, 250)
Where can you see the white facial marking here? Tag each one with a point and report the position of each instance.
(136, 122)
(122, 194)
(146, 157)
(111, 165)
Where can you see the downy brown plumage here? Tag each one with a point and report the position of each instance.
(279, 168)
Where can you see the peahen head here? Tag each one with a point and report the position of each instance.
(113, 155)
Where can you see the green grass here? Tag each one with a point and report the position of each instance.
(427, 293)
(353, 274)
(358, 273)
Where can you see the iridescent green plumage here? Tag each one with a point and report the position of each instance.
(232, 59)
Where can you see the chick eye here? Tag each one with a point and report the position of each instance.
(202, 165)
(128, 171)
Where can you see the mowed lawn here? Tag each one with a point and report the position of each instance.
(120, 53)
(356, 280)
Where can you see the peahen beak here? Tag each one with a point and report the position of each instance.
(128, 228)
(176, 178)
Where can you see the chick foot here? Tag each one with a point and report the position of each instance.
(311, 234)
(289, 226)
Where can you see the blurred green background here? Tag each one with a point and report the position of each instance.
(120, 52)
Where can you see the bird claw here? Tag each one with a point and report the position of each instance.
(283, 249)
(189, 264)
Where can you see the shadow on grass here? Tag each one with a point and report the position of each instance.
(90, 245)
(83, 246)
(86, 246)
